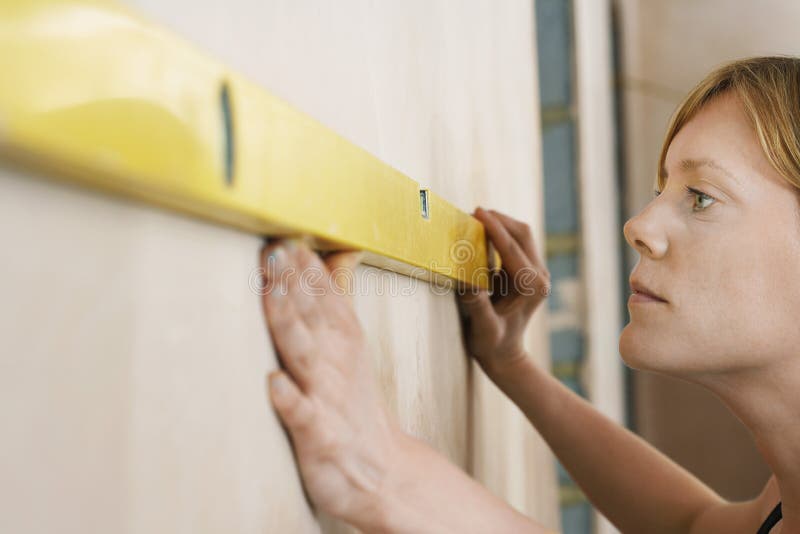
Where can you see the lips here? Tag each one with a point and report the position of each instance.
(638, 287)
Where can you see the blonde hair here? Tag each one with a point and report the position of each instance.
(769, 91)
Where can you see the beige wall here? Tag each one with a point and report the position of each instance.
(667, 48)
(599, 211)
(132, 349)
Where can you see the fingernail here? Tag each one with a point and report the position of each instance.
(277, 256)
(291, 244)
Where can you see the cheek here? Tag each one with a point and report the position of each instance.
(708, 318)
(720, 306)
(740, 308)
(772, 304)
(735, 304)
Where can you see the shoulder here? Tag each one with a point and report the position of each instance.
(768, 498)
(759, 508)
(739, 516)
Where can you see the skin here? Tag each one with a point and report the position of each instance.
(722, 259)
(726, 272)
(356, 463)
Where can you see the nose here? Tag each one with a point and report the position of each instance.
(645, 234)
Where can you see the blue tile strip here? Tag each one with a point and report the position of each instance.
(562, 218)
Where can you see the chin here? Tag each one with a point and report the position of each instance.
(644, 351)
(630, 353)
(641, 352)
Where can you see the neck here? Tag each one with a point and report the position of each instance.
(767, 401)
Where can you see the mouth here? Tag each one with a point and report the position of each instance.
(643, 294)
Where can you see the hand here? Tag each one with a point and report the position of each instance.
(326, 396)
(357, 464)
(494, 324)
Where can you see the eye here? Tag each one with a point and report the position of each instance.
(702, 200)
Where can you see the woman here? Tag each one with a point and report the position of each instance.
(715, 301)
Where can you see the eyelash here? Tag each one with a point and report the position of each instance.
(692, 192)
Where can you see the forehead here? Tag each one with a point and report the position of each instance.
(722, 139)
(721, 125)
(688, 165)
(719, 137)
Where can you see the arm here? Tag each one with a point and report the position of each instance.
(635, 486)
(631, 483)
(356, 463)
(436, 496)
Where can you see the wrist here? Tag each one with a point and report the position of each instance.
(500, 369)
(384, 510)
(404, 490)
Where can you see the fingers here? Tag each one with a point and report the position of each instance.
(341, 266)
(344, 260)
(511, 253)
(476, 305)
(294, 409)
(513, 239)
(521, 232)
(309, 283)
(523, 235)
(295, 272)
(291, 335)
(302, 303)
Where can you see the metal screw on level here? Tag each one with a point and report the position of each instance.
(423, 203)
(227, 125)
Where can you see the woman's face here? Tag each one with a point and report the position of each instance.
(725, 256)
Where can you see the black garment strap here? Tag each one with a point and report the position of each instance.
(772, 520)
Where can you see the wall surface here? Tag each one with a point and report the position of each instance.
(133, 351)
(581, 218)
(668, 47)
(600, 205)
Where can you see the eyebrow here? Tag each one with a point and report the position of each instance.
(693, 164)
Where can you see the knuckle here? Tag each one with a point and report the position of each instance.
(329, 445)
(503, 241)
(302, 416)
(279, 310)
(494, 334)
(544, 276)
(304, 255)
(303, 360)
(546, 288)
(309, 260)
